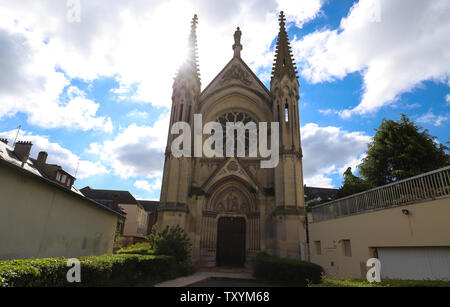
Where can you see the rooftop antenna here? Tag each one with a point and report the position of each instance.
(76, 171)
(18, 130)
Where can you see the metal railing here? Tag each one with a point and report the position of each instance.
(431, 185)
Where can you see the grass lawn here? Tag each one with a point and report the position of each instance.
(327, 282)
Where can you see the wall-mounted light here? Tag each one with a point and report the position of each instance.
(405, 211)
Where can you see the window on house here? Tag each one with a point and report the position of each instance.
(318, 247)
(63, 178)
(347, 248)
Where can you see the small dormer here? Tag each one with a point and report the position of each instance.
(64, 178)
(52, 171)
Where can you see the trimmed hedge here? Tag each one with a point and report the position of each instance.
(137, 249)
(292, 271)
(106, 270)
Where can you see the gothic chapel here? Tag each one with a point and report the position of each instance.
(231, 208)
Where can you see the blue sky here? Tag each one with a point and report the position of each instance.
(95, 94)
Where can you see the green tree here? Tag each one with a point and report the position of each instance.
(400, 150)
(173, 242)
(311, 203)
(352, 184)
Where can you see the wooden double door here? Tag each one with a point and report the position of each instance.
(231, 241)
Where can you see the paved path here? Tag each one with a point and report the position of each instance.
(201, 276)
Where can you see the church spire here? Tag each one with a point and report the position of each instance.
(284, 62)
(190, 65)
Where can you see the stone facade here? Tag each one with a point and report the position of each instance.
(197, 192)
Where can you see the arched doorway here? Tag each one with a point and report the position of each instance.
(230, 225)
(231, 232)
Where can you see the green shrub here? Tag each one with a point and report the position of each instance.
(141, 248)
(106, 270)
(270, 268)
(174, 242)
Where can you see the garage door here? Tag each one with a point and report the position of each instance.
(415, 262)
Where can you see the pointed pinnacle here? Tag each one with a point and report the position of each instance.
(194, 23)
(190, 65)
(284, 63)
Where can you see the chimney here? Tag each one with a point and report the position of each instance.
(42, 157)
(22, 150)
(4, 141)
(115, 202)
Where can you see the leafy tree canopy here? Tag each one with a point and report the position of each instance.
(352, 184)
(399, 150)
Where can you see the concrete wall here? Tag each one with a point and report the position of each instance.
(426, 225)
(136, 221)
(130, 225)
(40, 220)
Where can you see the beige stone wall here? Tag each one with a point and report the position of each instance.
(426, 225)
(38, 220)
(136, 220)
(130, 225)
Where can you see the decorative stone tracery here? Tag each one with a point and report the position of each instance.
(237, 73)
(231, 200)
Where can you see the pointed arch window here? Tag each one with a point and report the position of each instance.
(286, 112)
(180, 118)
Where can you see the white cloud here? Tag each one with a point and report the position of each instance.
(328, 150)
(396, 45)
(147, 186)
(319, 180)
(57, 154)
(73, 91)
(94, 148)
(432, 119)
(138, 114)
(139, 42)
(328, 112)
(447, 100)
(300, 14)
(353, 163)
(30, 84)
(137, 151)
